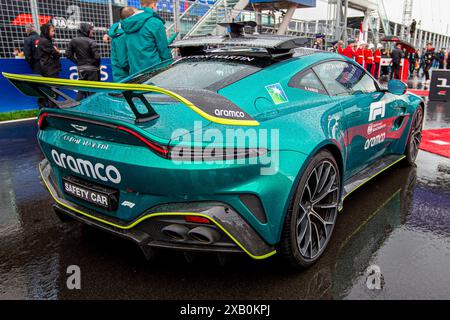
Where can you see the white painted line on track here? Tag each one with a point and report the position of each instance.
(17, 120)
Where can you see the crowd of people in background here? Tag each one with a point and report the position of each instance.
(369, 56)
(428, 58)
(366, 54)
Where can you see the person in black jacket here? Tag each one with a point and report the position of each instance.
(49, 55)
(429, 58)
(30, 48)
(448, 60)
(85, 53)
(397, 55)
(412, 29)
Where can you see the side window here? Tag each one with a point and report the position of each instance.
(365, 85)
(308, 81)
(343, 78)
(334, 75)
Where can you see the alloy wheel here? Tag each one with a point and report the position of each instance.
(416, 134)
(318, 207)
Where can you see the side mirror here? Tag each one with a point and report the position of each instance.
(397, 87)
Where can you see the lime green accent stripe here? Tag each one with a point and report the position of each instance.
(389, 166)
(108, 86)
(368, 219)
(153, 215)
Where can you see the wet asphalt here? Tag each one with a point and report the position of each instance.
(400, 222)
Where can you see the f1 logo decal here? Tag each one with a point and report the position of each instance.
(377, 109)
(443, 82)
(128, 204)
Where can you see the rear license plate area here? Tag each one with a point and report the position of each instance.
(97, 195)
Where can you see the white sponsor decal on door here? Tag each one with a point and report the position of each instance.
(375, 141)
(377, 109)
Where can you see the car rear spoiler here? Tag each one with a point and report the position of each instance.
(40, 87)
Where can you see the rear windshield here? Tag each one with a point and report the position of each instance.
(201, 73)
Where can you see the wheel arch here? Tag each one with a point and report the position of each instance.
(422, 105)
(336, 152)
(331, 147)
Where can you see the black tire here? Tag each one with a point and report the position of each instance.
(301, 246)
(415, 137)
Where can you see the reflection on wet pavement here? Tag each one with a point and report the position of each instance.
(399, 222)
(438, 115)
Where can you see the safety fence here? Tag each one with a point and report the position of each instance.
(66, 16)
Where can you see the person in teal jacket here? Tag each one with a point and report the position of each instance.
(145, 38)
(119, 55)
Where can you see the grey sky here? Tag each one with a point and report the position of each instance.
(434, 14)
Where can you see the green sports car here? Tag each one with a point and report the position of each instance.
(245, 144)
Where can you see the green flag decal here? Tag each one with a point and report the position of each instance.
(277, 93)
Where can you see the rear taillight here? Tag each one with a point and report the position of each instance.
(156, 148)
(41, 121)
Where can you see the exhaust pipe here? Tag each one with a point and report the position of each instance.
(204, 235)
(176, 232)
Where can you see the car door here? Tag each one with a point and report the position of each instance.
(363, 105)
(382, 122)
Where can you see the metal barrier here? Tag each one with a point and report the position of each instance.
(64, 14)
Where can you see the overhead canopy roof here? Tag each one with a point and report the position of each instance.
(271, 4)
(405, 45)
(236, 40)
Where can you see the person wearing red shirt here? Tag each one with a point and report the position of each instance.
(350, 52)
(340, 47)
(360, 55)
(377, 60)
(368, 58)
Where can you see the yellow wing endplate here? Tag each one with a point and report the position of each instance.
(27, 84)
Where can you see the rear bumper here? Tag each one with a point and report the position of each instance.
(237, 235)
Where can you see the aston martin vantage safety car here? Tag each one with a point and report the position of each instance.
(246, 144)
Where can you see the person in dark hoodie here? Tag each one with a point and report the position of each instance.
(429, 58)
(397, 55)
(145, 38)
(49, 55)
(30, 48)
(49, 58)
(85, 53)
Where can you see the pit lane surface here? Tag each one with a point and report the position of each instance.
(400, 222)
